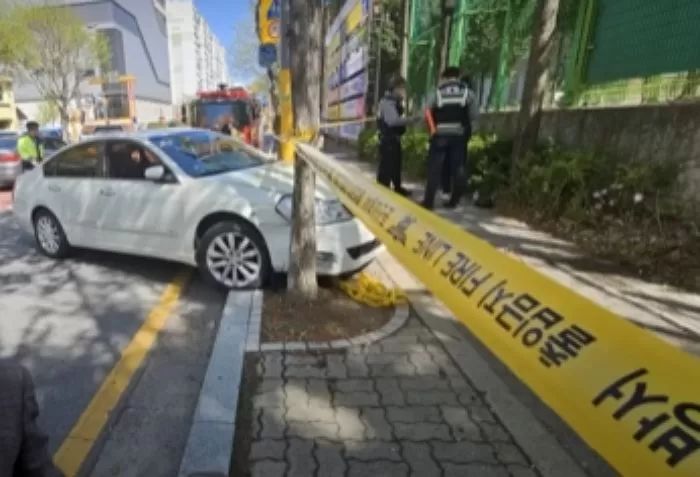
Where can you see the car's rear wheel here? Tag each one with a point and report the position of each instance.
(233, 255)
(49, 234)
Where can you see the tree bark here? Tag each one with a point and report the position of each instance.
(305, 62)
(535, 79)
(445, 31)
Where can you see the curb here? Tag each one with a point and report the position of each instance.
(210, 442)
(253, 345)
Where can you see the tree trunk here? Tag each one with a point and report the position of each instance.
(305, 61)
(64, 114)
(445, 35)
(536, 79)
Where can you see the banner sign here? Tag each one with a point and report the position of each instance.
(631, 396)
(346, 61)
(269, 13)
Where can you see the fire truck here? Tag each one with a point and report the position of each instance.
(214, 109)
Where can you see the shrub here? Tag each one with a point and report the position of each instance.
(489, 162)
(368, 144)
(415, 152)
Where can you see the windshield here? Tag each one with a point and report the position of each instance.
(204, 153)
(101, 129)
(213, 115)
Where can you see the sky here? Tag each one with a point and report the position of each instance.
(223, 16)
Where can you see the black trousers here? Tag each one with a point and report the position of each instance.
(448, 155)
(390, 159)
(446, 184)
(27, 165)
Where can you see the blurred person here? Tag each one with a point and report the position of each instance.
(226, 128)
(29, 147)
(23, 446)
(451, 109)
(391, 124)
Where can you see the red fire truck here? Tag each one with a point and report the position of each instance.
(214, 109)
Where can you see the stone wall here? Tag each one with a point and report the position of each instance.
(637, 133)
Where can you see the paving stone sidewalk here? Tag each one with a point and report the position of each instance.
(399, 407)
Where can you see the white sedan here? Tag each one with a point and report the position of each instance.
(187, 195)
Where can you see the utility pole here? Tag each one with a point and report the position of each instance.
(536, 77)
(304, 34)
(406, 32)
(284, 86)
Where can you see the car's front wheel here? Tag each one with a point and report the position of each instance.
(233, 255)
(50, 237)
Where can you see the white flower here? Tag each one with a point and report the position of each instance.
(604, 192)
(598, 206)
(612, 202)
(596, 195)
(638, 197)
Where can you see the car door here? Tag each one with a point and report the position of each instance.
(73, 180)
(140, 216)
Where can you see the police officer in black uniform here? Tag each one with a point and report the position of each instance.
(452, 109)
(391, 124)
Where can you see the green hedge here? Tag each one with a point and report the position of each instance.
(554, 181)
(489, 159)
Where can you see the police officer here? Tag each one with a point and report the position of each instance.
(29, 147)
(391, 124)
(452, 109)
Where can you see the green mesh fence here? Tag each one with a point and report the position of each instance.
(479, 43)
(643, 38)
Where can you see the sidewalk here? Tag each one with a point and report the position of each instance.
(422, 402)
(674, 315)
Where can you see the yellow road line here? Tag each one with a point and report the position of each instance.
(76, 447)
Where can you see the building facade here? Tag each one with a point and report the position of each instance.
(137, 33)
(197, 58)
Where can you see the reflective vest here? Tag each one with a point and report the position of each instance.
(30, 149)
(451, 109)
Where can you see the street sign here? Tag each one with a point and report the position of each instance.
(269, 13)
(267, 55)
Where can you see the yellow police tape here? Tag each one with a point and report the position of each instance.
(366, 289)
(631, 396)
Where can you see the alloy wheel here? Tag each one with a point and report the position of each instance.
(234, 260)
(48, 234)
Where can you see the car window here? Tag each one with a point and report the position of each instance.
(129, 160)
(84, 160)
(205, 153)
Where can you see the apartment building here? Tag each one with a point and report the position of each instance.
(138, 36)
(197, 58)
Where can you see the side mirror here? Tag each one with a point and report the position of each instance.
(155, 173)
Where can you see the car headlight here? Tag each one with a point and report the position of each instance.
(329, 211)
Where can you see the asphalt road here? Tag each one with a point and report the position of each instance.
(69, 321)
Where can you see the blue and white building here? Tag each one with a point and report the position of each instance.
(137, 32)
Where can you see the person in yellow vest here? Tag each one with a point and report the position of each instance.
(29, 147)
